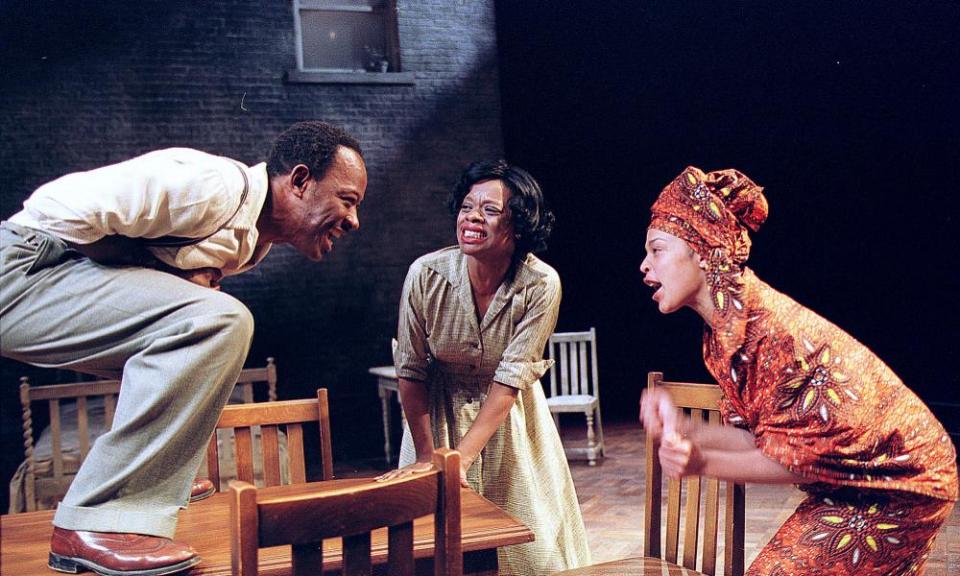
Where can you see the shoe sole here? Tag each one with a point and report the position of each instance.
(73, 565)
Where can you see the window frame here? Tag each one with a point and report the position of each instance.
(394, 75)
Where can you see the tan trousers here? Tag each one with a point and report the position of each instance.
(178, 348)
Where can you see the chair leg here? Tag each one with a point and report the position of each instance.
(600, 444)
(591, 441)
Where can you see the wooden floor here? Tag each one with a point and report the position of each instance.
(611, 497)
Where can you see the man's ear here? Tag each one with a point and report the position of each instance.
(299, 176)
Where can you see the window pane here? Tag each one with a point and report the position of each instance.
(341, 40)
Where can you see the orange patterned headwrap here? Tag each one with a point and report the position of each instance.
(712, 213)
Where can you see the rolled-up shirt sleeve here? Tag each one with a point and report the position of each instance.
(411, 354)
(539, 304)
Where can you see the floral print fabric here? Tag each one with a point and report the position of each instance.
(825, 407)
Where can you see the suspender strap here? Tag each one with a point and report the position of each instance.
(175, 241)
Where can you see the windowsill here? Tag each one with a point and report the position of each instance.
(305, 77)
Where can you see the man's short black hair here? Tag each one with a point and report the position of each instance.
(532, 219)
(313, 143)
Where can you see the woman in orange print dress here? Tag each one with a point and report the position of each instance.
(806, 402)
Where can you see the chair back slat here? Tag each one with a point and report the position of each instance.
(326, 442)
(652, 517)
(304, 517)
(691, 531)
(56, 445)
(83, 427)
(701, 402)
(584, 382)
(552, 354)
(734, 539)
(244, 453)
(270, 445)
(298, 471)
(564, 371)
(708, 552)
(673, 519)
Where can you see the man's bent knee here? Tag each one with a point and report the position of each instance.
(229, 316)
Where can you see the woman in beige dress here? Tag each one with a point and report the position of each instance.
(474, 320)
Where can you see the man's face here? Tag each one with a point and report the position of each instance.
(326, 209)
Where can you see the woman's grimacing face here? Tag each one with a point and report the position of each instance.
(484, 223)
(673, 269)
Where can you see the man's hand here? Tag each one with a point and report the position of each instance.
(206, 277)
(680, 457)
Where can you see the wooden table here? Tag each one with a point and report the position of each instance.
(205, 526)
(639, 566)
(387, 386)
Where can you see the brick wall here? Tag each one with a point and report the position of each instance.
(89, 83)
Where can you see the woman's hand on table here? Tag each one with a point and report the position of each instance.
(465, 464)
(408, 470)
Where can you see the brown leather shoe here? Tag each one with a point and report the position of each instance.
(115, 554)
(202, 488)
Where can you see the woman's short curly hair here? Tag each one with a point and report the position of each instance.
(313, 143)
(532, 219)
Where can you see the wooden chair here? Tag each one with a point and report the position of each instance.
(291, 515)
(251, 376)
(701, 402)
(575, 387)
(272, 418)
(80, 412)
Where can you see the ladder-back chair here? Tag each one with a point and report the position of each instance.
(303, 516)
(272, 418)
(701, 403)
(250, 376)
(80, 412)
(575, 387)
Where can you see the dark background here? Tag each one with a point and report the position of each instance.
(846, 112)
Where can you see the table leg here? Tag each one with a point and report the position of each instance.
(475, 563)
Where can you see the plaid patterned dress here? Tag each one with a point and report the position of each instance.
(522, 469)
